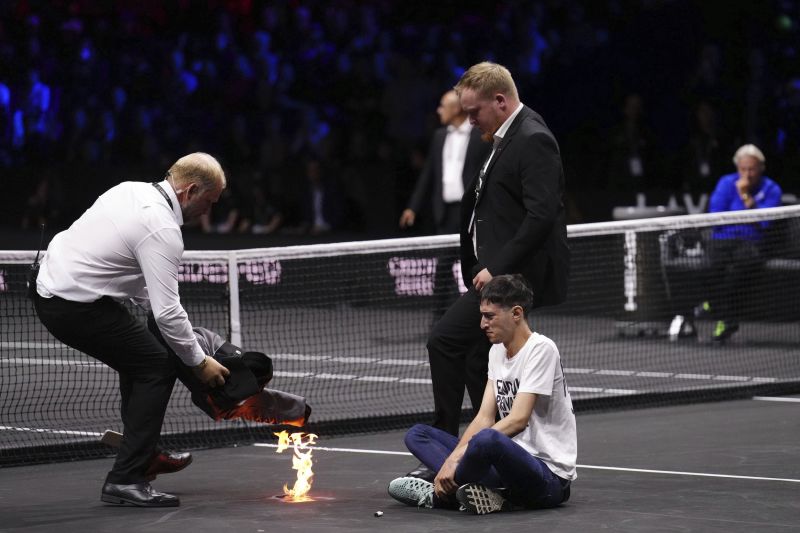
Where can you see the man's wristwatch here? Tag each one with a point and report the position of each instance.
(202, 364)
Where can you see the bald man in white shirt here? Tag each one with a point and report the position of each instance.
(128, 245)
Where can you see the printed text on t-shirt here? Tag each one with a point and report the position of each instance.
(506, 392)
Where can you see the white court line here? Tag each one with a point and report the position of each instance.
(336, 376)
(588, 467)
(678, 473)
(602, 390)
(362, 360)
(379, 379)
(615, 372)
(389, 452)
(285, 374)
(15, 345)
(419, 381)
(374, 361)
(53, 362)
(346, 450)
(693, 376)
(53, 431)
(403, 362)
(776, 399)
(654, 374)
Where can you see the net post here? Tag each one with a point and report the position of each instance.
(233, 299)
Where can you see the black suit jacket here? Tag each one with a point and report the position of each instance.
(520, 219)
(429, 182)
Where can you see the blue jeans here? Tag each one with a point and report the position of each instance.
(492, 459)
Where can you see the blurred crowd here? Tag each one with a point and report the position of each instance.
(321, 111)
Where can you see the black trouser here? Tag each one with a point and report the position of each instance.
(733, 264)
(459, 353)
(107, 331)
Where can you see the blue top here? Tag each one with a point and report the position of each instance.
(726, 198)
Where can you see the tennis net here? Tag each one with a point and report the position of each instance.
(346, 326)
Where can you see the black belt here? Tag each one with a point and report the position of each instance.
(164, 194)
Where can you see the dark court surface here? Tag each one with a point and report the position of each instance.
(727, 467)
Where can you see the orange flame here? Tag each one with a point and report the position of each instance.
(301, 461)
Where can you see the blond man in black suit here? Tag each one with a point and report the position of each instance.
(512, 221)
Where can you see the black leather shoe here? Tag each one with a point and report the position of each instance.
(422, 472)
(166, 462)
(139, 494)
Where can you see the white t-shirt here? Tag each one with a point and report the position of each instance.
(550, 434)
(128, 244)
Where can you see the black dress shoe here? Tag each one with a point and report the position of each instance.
(139, 494)
(166, 462)
(422, 472)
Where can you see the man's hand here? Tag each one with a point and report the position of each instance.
(743, 186)
(407, 218)
(445, 481)
(482, 278)
(211, 373)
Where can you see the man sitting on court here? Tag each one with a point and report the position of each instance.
(527, 458)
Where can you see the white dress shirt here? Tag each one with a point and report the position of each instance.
(128, 244)
(454, 153)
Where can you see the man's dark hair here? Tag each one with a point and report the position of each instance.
(507, 291)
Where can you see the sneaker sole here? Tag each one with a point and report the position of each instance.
(481, 500)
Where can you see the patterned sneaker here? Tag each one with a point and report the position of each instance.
(479, 499)
(412, 491)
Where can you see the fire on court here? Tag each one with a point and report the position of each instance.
(302, 461)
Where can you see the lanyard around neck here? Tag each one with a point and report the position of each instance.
(164, 194)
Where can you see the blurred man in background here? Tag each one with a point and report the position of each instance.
(736, 250)
(454, 159)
